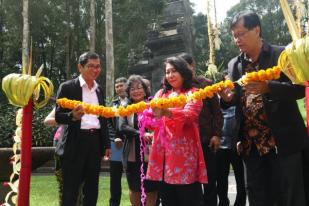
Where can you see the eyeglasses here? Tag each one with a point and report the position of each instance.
(240, 35)
(132, 89)
(92, 66)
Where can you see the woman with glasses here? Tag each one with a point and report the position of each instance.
(137, 91)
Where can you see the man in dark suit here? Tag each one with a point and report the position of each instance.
(210, 124)
(87, 135)
(272, 132)
(115, 165)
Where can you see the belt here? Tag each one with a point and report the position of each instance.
(90, 131)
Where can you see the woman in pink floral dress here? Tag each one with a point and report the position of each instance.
(176, 158)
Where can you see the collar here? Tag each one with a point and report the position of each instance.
(83, 82)
(122, 99)
(265, 50)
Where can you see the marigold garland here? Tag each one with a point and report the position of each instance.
(261, 75)
(179, 101)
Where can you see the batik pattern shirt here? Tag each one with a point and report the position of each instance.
(255, 128)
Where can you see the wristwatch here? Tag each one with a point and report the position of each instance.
(70, 115)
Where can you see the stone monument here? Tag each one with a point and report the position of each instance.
(172, 36)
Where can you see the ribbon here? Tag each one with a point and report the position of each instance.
(146, 119)
(307, 104)
(142, 148)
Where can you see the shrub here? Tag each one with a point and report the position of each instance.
(41, 135)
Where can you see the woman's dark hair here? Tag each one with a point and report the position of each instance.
(181, 66)
(133, 79)
(187, 57)
(251, 20)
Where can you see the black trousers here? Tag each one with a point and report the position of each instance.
(81, 164)
(180, 195)
(225, 158)
(116, 170)
(274, 180)
(306, 173)
(292, 191)
(210, 189)
(262, 178)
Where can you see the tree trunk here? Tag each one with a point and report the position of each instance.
(44, 56)
(52, 57)
(68, 55)
(68, 42)
(92, 25)
(25, 44)
(298, 14)
(211, 35)
(110, 69)
(1, 31)
(76, 34)
(308, 17)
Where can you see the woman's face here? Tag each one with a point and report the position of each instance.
(137, 92)
(173, 77)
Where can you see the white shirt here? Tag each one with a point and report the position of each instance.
(89, 121)
(123, 101)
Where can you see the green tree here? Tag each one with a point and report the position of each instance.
(274, 28)
(201, 52)
(131, 20)
(60, 33)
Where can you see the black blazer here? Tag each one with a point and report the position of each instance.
(280, 104)
(71, 89)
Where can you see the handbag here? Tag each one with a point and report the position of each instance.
(62, 137)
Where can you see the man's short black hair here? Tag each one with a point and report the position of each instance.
(83, 59)
(187, 57)
(251, 20)
(121, 80)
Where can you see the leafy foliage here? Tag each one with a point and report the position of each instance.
(201, 52)
(42, 136)
(131, 20)
(274, 30)
(59, 30)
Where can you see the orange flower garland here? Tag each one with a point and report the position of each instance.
(262, 75)
(162, 103)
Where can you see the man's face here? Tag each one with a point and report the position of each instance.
(120, 89)
(245, 39)
(91, 70)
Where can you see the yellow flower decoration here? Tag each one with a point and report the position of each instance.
(261, 75)
(162, 103)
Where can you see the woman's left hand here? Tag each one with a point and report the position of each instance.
(148, 137)
(215, 143)
(158, 113)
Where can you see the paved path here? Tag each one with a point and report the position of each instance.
(232, 189)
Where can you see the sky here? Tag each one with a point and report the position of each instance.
(222, 7)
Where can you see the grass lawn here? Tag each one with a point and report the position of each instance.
(44, 191)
